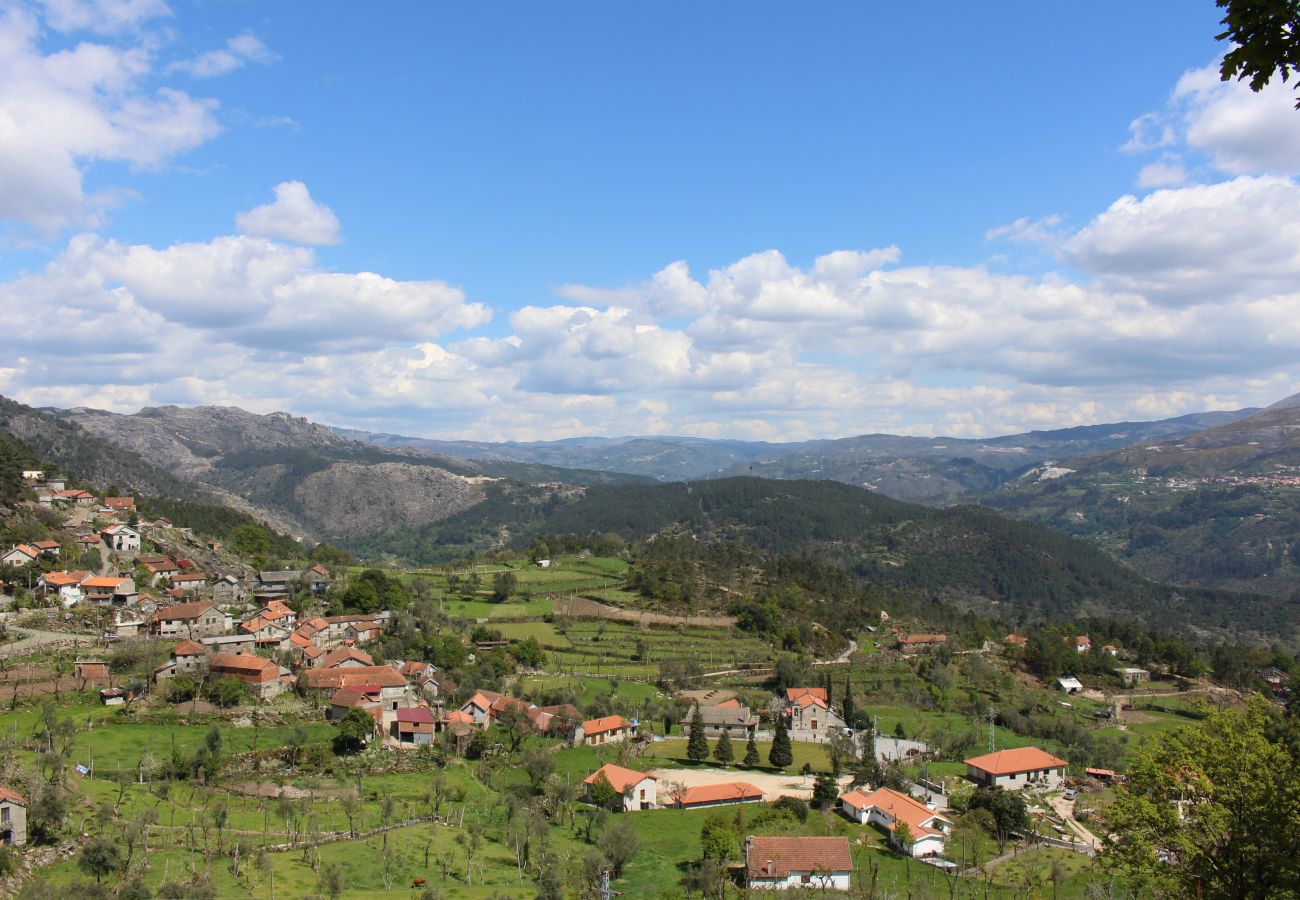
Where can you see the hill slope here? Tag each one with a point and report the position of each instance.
(1220, 507)
(302, 476)
(968, 555)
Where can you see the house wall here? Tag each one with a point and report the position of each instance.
(1050, 779)
(641, 796)
(836, 881)
(14, 831)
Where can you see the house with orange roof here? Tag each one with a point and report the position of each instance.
(885, 808)
(120, 504)
(1016, 640)
(110, 589)
(261, 677)
(344, 699)
(393, 689)
(1017, 769)
(725, 793)
(805, 863)
(793, 694)
(633, 790)
(13, 817)
(20, 555)
(1081, 642)
(187, 581)
(47, 548)
(922, 641)
(605, 730)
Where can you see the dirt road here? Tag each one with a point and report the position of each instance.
(771, 784)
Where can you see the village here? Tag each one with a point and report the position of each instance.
(166, 633)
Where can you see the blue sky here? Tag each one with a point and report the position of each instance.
(734, 220)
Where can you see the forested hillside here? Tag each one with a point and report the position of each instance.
(970, 556)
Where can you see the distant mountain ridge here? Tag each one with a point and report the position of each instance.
(1217, 507)
(908, 468)
(299, 475)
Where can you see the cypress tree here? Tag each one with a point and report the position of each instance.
(781, 755)
(751, 753)
(848, 701)
(722, 751)
(697, 747)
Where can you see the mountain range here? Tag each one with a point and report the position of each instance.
(1201, 501)
(906, 468)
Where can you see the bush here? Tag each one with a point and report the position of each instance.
(793, 805)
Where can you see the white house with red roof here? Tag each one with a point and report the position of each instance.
(1017, 769)
(886, 808)
(13, 817)
(808, 716)
(807, 863)
(20, 555)
(633, 790)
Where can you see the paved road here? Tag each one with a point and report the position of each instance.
(842, 658)
(1065, 809)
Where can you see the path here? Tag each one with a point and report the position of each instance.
(842, 658)
(773, 785)
(1065, 809)
(33, 640)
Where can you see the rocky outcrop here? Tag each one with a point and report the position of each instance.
(348, 499)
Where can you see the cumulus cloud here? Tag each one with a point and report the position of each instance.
(238, 52)
(294, 216)
(61, 110)
(1238, 131)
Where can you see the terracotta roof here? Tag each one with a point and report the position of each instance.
(119, 503)
(349, 698)
(899, 806)
(418, 714)
(102, 582)
(606, 723)
(793, 694)
(244, 665)
(46, 545)
(383, 676)
(340, 655)
(1015, 639)
(1100, 773)
(186, 577)
(7, 793)
(62, 579)
(189, 648)
(733, 703)
(716, 793)
(805, 700)
(924, 639)
(456, 717)
(777, 857)
(182, 611)
(619, 778)
(1021, 759)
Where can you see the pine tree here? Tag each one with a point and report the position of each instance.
(826, 683)
(867, 771)
(722, 751)
(751, 753)
(697, 747)
(781, 755)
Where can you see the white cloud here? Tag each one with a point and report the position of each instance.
(102, 16)
(238, 52)
(1167, 171)
(63, 110)
(1238, 131)
(294, 216)
(1045, 231)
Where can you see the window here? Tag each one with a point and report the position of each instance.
(4, 814)
(642, 800)
(805, 878)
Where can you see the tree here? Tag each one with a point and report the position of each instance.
(825, 791)
(226, 692)
(751, 753)
(619, 843)
(903, 837)
(1007, 809)
(99, 857)
(840, 748)
(722, 751)
(354, 730)
(1266, 39)
(697, 746)
(250, 542)
(719, 839)
(781, 756)
(970, 843)
(847, 703)
(503, 586)
(1213, 810)
(539, 763)
(867, 769)
(602, 792)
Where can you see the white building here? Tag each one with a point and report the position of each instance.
(1017, 769)
(810, 863)
(633, 790)
(885, 808)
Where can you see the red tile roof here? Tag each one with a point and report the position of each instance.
(793, 694)
(189, 648)
(606, 723)
(182, 611)
(718, 793)
(417, 714)
(777, 857)
(1021, 759)
(383, 676)
(244, 666)
(924, 639)
(619, 778)
(7, 793)
(899, 806)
